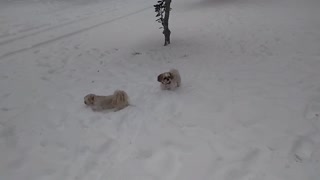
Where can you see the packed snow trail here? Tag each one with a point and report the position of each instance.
(46, 35)
(248, 107)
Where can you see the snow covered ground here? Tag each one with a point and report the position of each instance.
(248, 108)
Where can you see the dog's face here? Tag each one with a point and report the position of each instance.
(89, 99)
(165, 78)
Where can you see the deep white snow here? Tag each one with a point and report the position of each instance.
(248, 107)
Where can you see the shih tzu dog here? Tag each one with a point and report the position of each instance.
(169, 80)
(117, 101)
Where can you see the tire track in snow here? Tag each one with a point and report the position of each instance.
(26, 32)
(46, 29)
(74, 32)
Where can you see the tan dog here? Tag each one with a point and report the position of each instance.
(169, 80)
(117, 101)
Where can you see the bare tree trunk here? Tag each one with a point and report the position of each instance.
(166, 30)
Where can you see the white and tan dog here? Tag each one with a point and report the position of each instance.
(117, 101)
(169, 80)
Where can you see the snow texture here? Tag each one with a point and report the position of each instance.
(248, 107)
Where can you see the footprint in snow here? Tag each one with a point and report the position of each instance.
(312, 113)
(163, 164)
(302, 149)
(313, 109)
(242, 169)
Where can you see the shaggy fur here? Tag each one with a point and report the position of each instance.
(169, 80)
(117, 101)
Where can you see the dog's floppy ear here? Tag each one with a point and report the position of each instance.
(91, 98)
(171, 75)
(160, 77)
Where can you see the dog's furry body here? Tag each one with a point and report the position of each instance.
(170, 80)
(117, 101)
